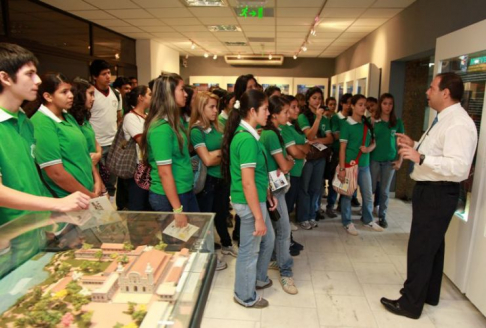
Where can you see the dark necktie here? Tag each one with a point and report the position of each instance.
(436, 119)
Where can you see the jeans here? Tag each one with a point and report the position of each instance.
(110, 184)
(291, 195)
(214, 198)
(160, 203)
(384, 172)
(364, 183)
(253, 256)
(282, 237)
(310, 189)
(138, 198)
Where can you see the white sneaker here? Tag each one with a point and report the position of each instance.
(351, 229)
(288, 285)
(221, 265)
(313, 223)
(229, 250)
(374, 226)
(273, 266)
(306, 225)
(293, 226)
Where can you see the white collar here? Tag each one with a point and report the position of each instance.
(340, 115)
(4, 116)
(448, 110)
(351, 121)
(289, 124)
(224, 115)
(250, 129)
(46, 111)
(378, 120)
(208, 130)
(187, 118)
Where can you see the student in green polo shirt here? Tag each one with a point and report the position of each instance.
(21, 189)
(243, 163)
(273, 141)
(206, 138)
(353, 148)
(62, 151)
(226, 105)
(165, 149)
(317, 129)
(384, 160)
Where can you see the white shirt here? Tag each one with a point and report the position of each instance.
(104, 116)
(448, 147)
(132, 127)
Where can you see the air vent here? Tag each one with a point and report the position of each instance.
(235, 44)
(224, 28)
(254, 60)
(261, 39)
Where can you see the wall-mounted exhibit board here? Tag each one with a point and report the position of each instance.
(364, 80)
(203, 83)
(302, 84)
(464, 52)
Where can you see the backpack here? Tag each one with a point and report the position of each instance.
(198, 168)
(122, 157)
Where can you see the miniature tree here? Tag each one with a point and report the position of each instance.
(99, 254)
(131, 308)
(131, 325)
(63, 270)
(138, 315)
(114, 256)
(78, 301)
(85, 266)
(160, 246)
(123, 259)
(118, 325)
(128, 246)
(87, 246)
(86, 318)
(73, 288)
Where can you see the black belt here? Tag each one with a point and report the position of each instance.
(437, 183)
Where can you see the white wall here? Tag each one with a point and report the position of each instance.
(154, 58)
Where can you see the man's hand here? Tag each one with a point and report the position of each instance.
(407, 152)
(260, 228)
(403, 139)
(273, 203)
(397, 165)
(342, 176)
(180, 220)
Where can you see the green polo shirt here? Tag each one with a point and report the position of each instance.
(17, 165)
(245, 152)
(163, 149)
(386, 143)
(337, 121)
(352, 133)
(89, 134)
(62, 142)
(270, 141)
(324, 126)
(223, 118)
(211, 139)
(292, 137)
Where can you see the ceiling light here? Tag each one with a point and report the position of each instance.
(304, 48)
(239, 56)
(206, 55)
(204, 3)
(270, 57)
(117, 56)
(224, 28)
(235, 44)
(313, 32)
(187, 56)
(193, 46)
(215, 57)
(295, 56)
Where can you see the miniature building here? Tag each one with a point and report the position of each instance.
(167, 291)
(106, 291)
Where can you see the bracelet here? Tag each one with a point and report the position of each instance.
(342, 169)
(177, 210)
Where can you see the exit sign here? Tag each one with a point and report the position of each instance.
(248, 11)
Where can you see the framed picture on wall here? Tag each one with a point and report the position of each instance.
(286, 84)
(284, 88)
(302, 84)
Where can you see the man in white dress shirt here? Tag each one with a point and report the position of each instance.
(440, 160)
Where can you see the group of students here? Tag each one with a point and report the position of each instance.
(240, 137)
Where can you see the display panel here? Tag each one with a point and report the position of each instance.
(133, 265)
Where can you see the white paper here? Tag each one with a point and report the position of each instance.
(277, 182)
(99, 208)
(338, 184)
(319, 146)
(180, 233)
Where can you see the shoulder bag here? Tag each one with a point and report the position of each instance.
(122, 157)
(198, 168)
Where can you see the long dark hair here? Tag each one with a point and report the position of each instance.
(241, 83)
(344, 99)
(187, 107)
(132, 96)
(221, 93)
(307, 111)
(275, 106)
(392, 122)
(163, 105)
(78, 110)
(250, 99)
(354, 101)
(50, 83)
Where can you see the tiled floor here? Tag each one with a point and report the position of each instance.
(341, 279)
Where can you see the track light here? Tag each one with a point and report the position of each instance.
(206, 55)
(313, 32)
(193, 46)
(215, 57)
(239, 56)
(187, 56)
(270, 57)
(295, 56)
(304, 48)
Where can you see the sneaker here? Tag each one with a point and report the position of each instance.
(351, 229)
(320, 215)
(296, 245)
(305, 225)
(293, 226)
(260, 303)
(294, 252)
(269, 284)
(229, 250)
(382, 223)
(313, 223)
(355, 202)
(273, 266)
(330, 213)
(221, 265)
(374, 226)
(288, 285)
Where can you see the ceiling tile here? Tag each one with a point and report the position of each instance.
(160, 28)
(268, 3)
(334, 25)
(231, 37)
(125, 29)
(109, 4)
(353, 35)
(289, 42)
(325, 35)
(349, 3)
(181, 21)
(392, 3)
(297, 12)
(292, 35)
(343, 42)
(92, 14)
(380, 13)
(139, 36)
(309, 53)
(212, 12)
(191, 28)
(144, 22)
(336, 48)
(171, 12)
(218, 20)
(159, 3)
(300, 3)
(292, 28)
(260, 34)
(257, 21)
(294, 21)
(130, 13)
(110, 22)
(169, 35)
(254, 28)
(369, 22)
(367, 29)
(342, 12)
(69, 5)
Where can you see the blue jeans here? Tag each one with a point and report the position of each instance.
(160, 203)
(282, 237)
(253, 256)
(138, 198)
(364, 183)
(384, 171)
(291, 195)
(310, 189)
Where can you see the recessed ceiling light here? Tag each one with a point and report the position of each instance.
(239, 56)
(206, 55)
(295, 56)
(270, 57)
(204, 3)
(224, 28)
(215, 57)
(193, 46)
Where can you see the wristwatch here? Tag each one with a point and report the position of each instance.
(422, 158)
(342, 169)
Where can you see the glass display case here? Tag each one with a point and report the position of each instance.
(106, 269)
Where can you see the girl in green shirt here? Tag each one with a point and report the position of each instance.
(243, 163)
(384, 160)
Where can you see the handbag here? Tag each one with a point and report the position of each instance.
(199, 169)
(122, 157)
(142, 176)
(351, 179)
